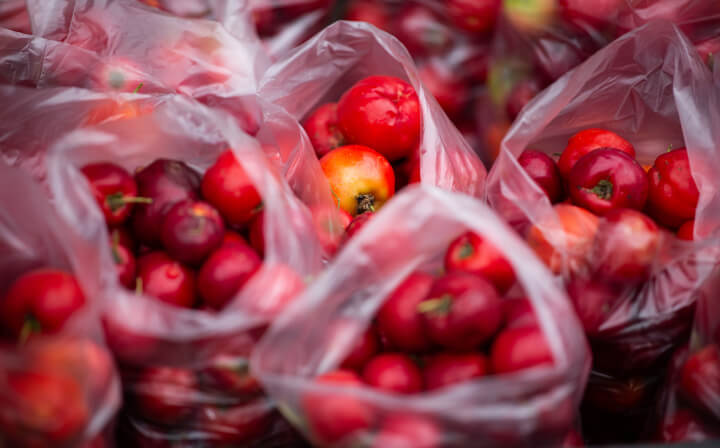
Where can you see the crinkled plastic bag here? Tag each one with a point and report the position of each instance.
(650, 87)
(323, 68)
(71, 371)
(144, 332)
(690, 408)
(528, 408)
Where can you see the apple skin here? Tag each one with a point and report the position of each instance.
(544, 172)
(473, 16)
(608, 179)
(700, 380)
(626, 245)
(408, 431)
(360, 178)
(332, 416)
(520, 348)
(398, 320)
(462, 311)
(229, 189)
(383, 113)
(475, 254)
(589, 140)
(164, 394)
(323, 128)
(394, 373)
(40, 301)
(574, 236)
(42, 408)
(673, 193)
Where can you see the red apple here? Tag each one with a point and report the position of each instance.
(462, 311)
(607, 179)
(333, 417)
(42, 409)
(167, 280)
(474, 254)
(40, 301)
(323, 129)
(225, 272)
(520, 348)
(626, 245)
(587, 141)
(191, 231)
(364, 349)
(383, 113)
(114, 190)
(227, 186)
(543, 170)
(165, 182)
(361, 179)
(373, 12)
(230, 373)
(447, 369)
(673, 195)
(393, 372)
(700, 380)
(399, 320)
(164, 395)
(475, 16)
(449, 90)
(408, 431)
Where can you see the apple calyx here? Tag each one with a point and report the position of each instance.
(466, 250)
(439, 306)
(117, 200)
(603, 189)
(31, 325)
(365, 203)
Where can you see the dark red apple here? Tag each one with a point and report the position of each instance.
(191, 231)
(225, 272)
(164, 395)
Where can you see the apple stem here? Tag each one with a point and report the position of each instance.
(30, 326)
(138, 285)
(439, 305)
(365, 203)
(117, 200)
(242, 367)
(137, 89)
(114, 248)
(603, 189)
(466, 250)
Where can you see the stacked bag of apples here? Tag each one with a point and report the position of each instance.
(692, 410)
(538, 41)
(613, 215)
(58, 383)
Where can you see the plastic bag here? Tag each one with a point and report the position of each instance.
(14, 16)
(412, 232)
(167, 353)
(650, 87)
(534, 47)
(690, 410)
(450, 44)
(322, 69)
(60, 388)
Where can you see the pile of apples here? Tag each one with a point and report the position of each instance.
(56, 384)
(177, 237)
(430, 333)
(367, 143)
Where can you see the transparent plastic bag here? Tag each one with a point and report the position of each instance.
(650, 87)
(171, 353)
(527, 408)
(534, 47)
(58, 388)
(690, 408)
(323, 68)
(14, 16)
